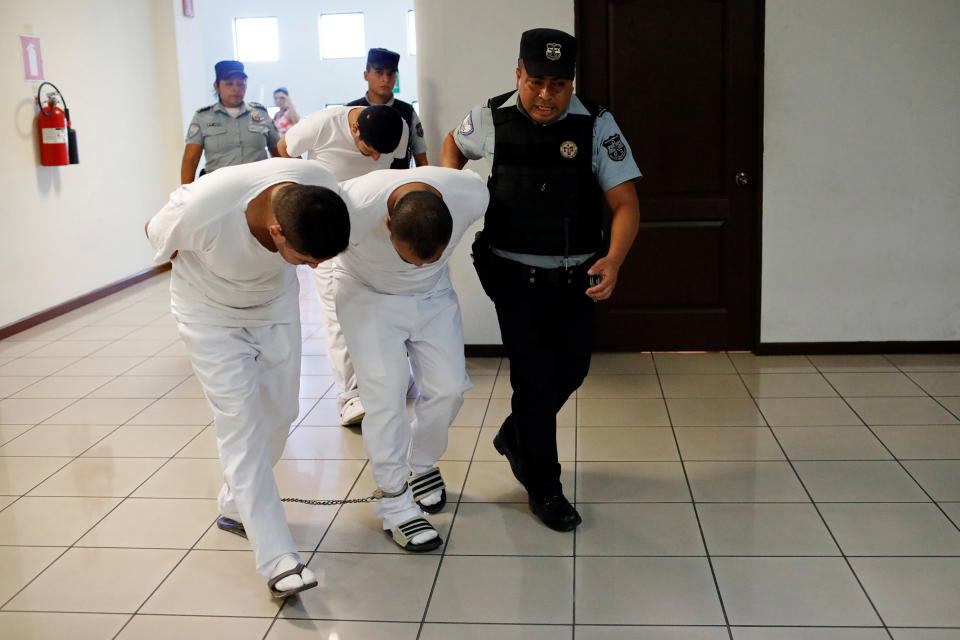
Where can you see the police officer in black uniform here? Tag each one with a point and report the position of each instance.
(381, 77)
(542, 256)
(229, 131)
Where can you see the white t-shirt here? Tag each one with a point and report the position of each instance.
(222, 274)
(325, 137)
(371, 257)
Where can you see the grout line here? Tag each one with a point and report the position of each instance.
(693, 502)
(466, 478)
(816, 507)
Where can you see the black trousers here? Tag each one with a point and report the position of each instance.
(547, 328)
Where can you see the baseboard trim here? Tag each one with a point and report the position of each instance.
(856, 348)
(76, 303)
(789, 348)
(484, 351)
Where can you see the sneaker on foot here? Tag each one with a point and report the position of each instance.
(352, 412)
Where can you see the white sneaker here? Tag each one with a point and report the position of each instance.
(352, 412)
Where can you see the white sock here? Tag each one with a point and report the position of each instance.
(424, 536)
(287, 562)
(432, 498)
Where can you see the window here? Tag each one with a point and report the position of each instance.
(330, 105)
(256, 40)
(341, 35)
(416, 106)
(411, 33)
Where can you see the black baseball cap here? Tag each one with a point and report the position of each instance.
(380, 127)
(548, 52)
(379, 58)
(227, 68)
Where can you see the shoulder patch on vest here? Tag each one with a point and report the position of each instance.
(466, 127)
(193, 130)
(419, 130)
(615, 147)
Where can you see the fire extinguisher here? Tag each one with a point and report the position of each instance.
(58, 140)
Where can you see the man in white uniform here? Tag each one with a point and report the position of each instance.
(394, 298)
(348, 142)
(234, 237)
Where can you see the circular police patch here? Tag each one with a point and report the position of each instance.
(193, 130)
(568, 149)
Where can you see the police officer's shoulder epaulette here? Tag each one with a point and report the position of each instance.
(257, 105)
(206, 108)
(592, 107)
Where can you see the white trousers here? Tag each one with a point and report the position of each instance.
(251, 377)
(381, 330)
(340, 363)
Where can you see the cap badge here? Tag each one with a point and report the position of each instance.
(553, 51)
(568, 149)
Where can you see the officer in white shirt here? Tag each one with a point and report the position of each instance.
(394, 299)
(234, 238)
(348, 142)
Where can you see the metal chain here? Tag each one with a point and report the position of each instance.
(321, 503)
(379, 493)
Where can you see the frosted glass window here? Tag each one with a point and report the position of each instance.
(416, 106)
(256, 40)
(412, 33)
(341, 35)
(331, 105)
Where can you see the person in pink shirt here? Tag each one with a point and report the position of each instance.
(287, 116)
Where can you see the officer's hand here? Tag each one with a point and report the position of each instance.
(608, 270)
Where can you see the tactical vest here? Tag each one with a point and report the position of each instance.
(544, 198)
(406, 112)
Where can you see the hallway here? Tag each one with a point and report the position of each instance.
(724, 495)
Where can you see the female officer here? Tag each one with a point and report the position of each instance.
(230, 131)
(287, 116)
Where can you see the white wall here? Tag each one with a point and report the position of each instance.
(70, 230)
(861, 200)
(312, 81)
(467, 52)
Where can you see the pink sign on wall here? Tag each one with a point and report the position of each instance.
(32, 58)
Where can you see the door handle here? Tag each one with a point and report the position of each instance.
(741, 179)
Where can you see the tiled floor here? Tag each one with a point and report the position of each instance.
(723, 495)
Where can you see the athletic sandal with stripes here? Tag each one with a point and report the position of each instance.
(404, 533)
(425, 486)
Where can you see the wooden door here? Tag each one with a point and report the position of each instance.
(683, 80)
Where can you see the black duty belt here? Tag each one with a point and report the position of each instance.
(540, 276)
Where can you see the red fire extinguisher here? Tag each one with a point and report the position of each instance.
(58, 140)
